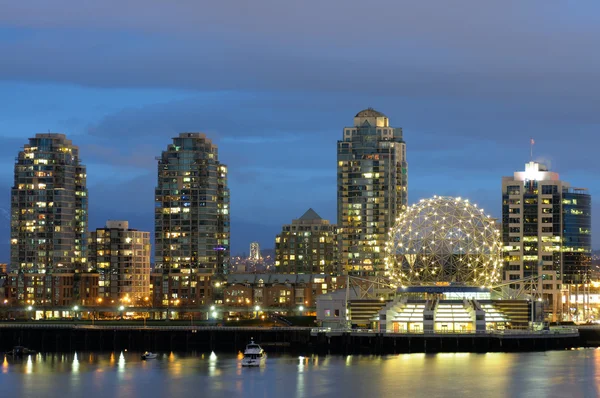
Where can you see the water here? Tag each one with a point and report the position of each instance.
(90, 375)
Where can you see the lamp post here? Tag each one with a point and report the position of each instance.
(257, 310)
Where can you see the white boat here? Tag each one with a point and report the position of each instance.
(148, 355)
(254, 355)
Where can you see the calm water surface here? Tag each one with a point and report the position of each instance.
(552, 374)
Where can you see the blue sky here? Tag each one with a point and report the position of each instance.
(274, 83)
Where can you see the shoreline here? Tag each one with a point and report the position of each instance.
(72, 337)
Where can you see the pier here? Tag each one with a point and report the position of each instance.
(82, 337)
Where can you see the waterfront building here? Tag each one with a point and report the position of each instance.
(192, 230)
(255, 252)
(307, 246)
(3, 268)
(443, 259)
(279, 291)
(546, 233)
(49, 214)
(372, 185)
(121, 257)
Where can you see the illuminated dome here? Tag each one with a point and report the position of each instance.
(444, 240)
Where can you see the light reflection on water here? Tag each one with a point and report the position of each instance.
(124, 374)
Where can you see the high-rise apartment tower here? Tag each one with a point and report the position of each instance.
(191, 214)
(49, 207)
(372, 189)
(546, 230)
(49, 215)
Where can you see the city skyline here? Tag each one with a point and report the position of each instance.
(275, 104)
(269, 241)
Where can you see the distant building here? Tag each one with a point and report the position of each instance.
(49, 214)
(546, 229)
(255, 251)
(3, 268)
(372, 189)
(307, 246)
(192, 229)
(121, 256)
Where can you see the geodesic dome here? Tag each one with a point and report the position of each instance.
(444, 240)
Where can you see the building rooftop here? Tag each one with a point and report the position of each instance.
(369, 112)
(310, 215)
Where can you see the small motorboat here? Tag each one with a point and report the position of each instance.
(254, 355)
(149, 355)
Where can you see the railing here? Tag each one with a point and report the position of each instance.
(511, 332)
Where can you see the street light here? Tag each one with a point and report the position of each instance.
(121, 308)
(29, 308)
(301, 308)
(257, 308)
(212, 307)
(76, 308)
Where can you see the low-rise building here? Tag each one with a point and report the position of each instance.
(273, 291)
(183, 290)
(121, 258)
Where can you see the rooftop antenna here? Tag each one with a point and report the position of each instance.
(531, 149)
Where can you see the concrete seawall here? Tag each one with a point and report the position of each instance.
(62, 338)
(356, 343)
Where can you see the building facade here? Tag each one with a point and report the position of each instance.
(121, 256)
(546, 230)
(49, 214)
(307, 246)
(192, 228)
(372, 175)
(167, 290)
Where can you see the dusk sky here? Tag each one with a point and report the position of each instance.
(274, 82)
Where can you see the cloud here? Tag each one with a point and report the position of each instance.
(273, 83)
(471, 50)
